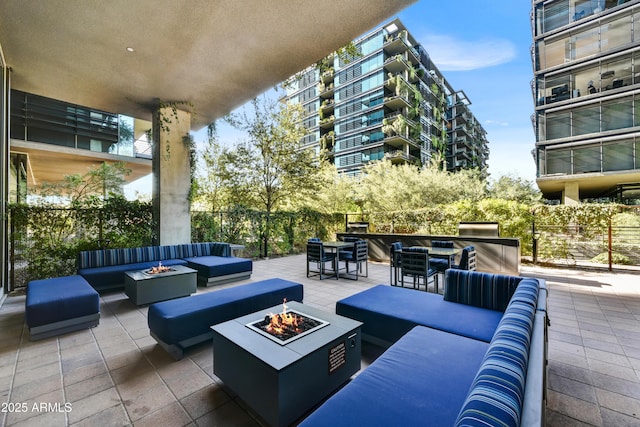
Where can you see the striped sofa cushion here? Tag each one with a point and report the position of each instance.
(497, 392)
(109, 257)
(486, 290)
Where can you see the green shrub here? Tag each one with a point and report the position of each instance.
(616, 258)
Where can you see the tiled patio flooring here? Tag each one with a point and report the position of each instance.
(116, 374)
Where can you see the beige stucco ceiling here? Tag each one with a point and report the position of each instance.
(215, 54)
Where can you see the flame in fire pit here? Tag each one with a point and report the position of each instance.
(286, 326)
(283, 322)
(159, 269)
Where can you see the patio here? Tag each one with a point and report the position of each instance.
(116, 374)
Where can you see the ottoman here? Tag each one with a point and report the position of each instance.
(60, 305)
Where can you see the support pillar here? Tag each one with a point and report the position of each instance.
(171, 166)
(571, 193)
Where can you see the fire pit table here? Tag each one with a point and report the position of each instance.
(282, 379)
(146, 287)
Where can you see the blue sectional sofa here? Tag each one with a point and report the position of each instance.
(183, 322)
(104, 269)
(475, 356)
(60, 305)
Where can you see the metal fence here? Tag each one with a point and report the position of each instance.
(45, 242)
(581, 243)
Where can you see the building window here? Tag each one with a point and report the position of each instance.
(558, 125)
(559, 162)
(617, 156)
(617, 114)
(586, 159)
(586, 120)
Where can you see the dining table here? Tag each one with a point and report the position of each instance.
(336, 247)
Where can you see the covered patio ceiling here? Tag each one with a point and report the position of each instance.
(213, 54)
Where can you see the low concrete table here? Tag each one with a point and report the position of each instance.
(144, 288)
(282, 382)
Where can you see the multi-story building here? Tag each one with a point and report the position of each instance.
(390, 101)
(586, 60)
(51, 138)
(467, 140)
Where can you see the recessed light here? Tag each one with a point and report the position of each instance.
(130, 49)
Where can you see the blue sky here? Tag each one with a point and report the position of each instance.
(481, 47)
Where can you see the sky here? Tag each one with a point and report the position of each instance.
(482, 48)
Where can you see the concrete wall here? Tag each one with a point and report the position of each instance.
(493, 254)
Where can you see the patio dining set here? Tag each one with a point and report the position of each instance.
(418, 263)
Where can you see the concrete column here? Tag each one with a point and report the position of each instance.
(171, 166)
(571, 193)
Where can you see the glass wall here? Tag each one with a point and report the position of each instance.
(598, 157)
(580, 43)
(39, 119)
(4, 175)
(616, 114)
(601, 76)
(553, 15)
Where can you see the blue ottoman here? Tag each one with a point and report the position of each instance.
(216, 270)
(60, 305)
(183, 322)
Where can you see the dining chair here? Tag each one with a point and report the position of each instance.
(317, 255)
(440, 263)
(467, 259)
(394, 262)
(359, 254)
(414, 262)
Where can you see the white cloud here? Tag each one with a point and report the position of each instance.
(452, 54)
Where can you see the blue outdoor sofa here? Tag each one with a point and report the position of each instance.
(475, 356)
(184, 322)
(104, 269)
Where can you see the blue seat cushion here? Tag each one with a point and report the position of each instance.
(421, 380)
(389, 312)
(215, 266)
(183, 318)
(102, 277)
(61, 298)
(438, 264)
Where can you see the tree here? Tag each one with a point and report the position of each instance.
(210, 183)
(271, 167)
(384, 187)
(100, 182)
(512, 187)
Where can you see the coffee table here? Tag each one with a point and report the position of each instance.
(143, 288)
(282, 382)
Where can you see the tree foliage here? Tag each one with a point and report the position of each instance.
(270, 166)
(512, 187)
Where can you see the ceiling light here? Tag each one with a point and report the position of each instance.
(130, 49)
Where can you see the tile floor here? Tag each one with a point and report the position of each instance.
(115, 374)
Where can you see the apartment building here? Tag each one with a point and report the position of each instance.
(586, 87)
(390, 101)
(52, 138)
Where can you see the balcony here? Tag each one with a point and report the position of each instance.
(326, 91)
(396, 64)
